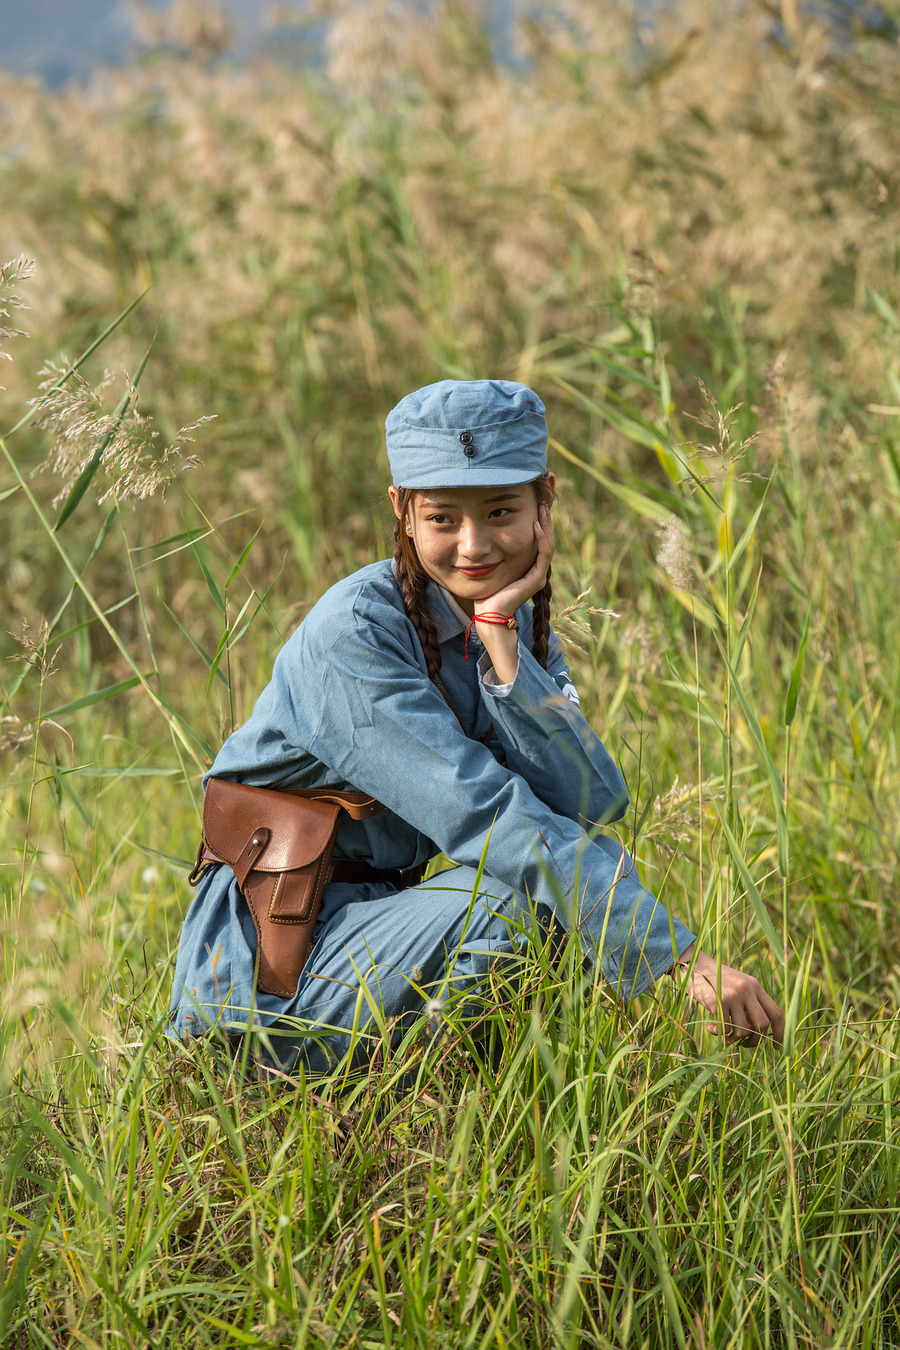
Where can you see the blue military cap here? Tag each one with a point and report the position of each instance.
(467, 433)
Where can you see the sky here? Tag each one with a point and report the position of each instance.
(62, 39)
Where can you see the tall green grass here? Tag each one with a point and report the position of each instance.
(584, 1174)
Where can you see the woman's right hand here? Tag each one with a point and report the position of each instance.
(502, 644)
(744, 1013)
(513, 596)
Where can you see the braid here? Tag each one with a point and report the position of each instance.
(540, 623)
(413, 583)
(540, 603)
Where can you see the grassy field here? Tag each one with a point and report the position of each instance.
(686, 241)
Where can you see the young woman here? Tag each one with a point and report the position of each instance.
(429, 684)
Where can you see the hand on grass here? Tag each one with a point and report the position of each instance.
(745, 1013)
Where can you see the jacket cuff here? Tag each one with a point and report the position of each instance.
(488, 677)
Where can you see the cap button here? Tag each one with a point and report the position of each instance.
(466, 437)
(470, 452)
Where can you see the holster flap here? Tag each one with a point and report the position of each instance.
(300, 828)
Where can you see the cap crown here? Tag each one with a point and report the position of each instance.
(467, 433)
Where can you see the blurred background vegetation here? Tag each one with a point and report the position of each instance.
(614, 217)
(683, 235)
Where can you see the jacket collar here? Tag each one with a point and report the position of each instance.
(450, 619)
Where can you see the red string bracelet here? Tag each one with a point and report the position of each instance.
(499, 621)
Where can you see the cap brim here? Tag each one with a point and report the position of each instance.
(474, 477)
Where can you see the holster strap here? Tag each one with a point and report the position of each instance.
(250, 854)
(279, 846)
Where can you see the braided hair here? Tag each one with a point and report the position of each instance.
(540, 601)
(414, 584)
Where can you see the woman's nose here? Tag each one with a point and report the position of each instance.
(473, 540)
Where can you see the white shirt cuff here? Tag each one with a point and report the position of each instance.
(489, 679)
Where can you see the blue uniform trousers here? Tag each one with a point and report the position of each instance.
(379, 956)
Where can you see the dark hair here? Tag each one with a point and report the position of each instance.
(414, 582)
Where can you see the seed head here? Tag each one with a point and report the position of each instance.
(674, 556)
(363, 42)
(676, 813)
(83, 425)
(11, 273)
(722, 451)
(36, 647)
(14, 736)
(576, 618)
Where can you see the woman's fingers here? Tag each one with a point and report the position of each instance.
(745, 1011)
(511, 597)
(745, 1025)
(543, 534)
(543, 529)
(776, 1017)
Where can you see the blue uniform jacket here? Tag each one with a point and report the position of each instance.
(350, 705)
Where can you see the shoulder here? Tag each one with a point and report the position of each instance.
(366, 603)
(372, 593)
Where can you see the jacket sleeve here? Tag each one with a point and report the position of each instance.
(546, 740)
(372, 718)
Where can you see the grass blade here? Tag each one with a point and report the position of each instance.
(756, 900)
(88, 700)
(790, 703)
(201, 651)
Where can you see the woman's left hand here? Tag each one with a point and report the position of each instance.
(744, 1011)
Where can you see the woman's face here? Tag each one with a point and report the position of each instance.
(474, 541)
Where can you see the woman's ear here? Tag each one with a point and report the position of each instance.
(395, 500)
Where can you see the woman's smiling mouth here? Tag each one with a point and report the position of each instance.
(484, 571)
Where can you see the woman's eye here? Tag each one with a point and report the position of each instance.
(438, 520)
(501, 511)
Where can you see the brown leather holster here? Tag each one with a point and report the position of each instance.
(279, 846)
